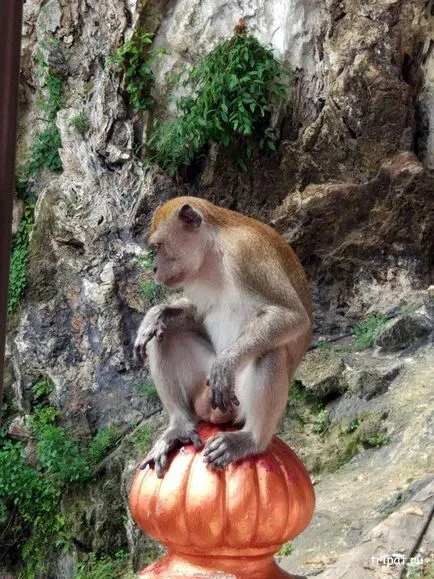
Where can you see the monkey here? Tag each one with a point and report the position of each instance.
(227, 348)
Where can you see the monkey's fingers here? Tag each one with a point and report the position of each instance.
(147, 462)
(160, 464)
(216, 453)
(197, 443)
(234, 399)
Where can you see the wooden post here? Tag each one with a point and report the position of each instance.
(10, 46)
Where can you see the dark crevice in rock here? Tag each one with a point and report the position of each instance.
(406, 68)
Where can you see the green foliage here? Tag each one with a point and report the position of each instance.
(142, 439)
(103, 440)
(354, 425)
(19, 261)
(377, 441)
(366, 332)
(146, 389)
(146, 262)
(134, 58)
(44, 151)
(321, 421)
(419, 570)
(80, 123)
(105, 567)
(299, 396)
(31, 494)
(41, 389)
(324, 345)
(285, 550)
(148, 290)
(233, 90)
(59, 455)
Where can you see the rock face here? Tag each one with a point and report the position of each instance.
(379, 501)
(349, 187)
(366, 246)
(404, 332)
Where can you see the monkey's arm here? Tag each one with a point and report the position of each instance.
(179, 314)
(272, 327)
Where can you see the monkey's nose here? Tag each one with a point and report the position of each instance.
(154, 269)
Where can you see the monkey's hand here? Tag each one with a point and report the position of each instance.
(152, 326)
(221, 382)
(174, 437)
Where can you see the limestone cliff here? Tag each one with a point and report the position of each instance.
(350, 186)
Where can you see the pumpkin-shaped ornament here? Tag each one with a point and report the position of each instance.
(223, 523)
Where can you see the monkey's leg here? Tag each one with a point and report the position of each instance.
(262, 390)
(179, 365)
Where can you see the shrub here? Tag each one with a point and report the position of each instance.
(80, 123)
(102, 442)
(285, 550)
(44, 151)
(142, 439)
(233, 90)
(41, 389)
(104, 567)
(134, 58)
(146, 389)
(366, 332)
(378, 441)
(30, 495)
(19, 261)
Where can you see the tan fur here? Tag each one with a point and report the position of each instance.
(245, 322)
(250, 244)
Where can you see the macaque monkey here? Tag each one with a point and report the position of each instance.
(227, 349)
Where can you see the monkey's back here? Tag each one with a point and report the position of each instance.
(263, 258)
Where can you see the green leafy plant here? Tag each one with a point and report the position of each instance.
(44, 151)
(419, 570)
(233, 90)
(146, 262)
(354, 425)
(366, 332)
(41, 389)
(135, 58)
(324, 345)
(148, 290)
(142, 439)
(19, 260)
(321, 421)
(285, 550)
(80, 123)
(377, 441)
(146, 389)
(30, 492)
(105, 567)
(101, 443)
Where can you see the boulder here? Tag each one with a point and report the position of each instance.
(404, 332)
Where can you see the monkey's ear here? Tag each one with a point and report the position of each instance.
(189, 216)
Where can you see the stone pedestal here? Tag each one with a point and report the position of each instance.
(223, 524)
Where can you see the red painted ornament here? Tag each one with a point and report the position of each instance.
(227, 523)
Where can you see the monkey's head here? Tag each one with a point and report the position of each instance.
(181, 239)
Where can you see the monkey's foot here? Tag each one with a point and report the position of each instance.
(228, 447)
(173, 438)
